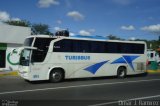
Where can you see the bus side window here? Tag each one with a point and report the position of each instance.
(112, 47)
(63, 46)
(151, 55)
(57, 46)
(81, 46)
(98, 47)
(85, 46)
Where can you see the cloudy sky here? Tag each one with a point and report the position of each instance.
(128, 19)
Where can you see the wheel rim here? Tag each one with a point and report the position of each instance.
(122, 73)
(56, 76)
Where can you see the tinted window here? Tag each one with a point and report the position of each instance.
(151, 55)
(28, 42)
(98, 47)
(71, 46)
(83, 46)
(139, 48)
(42, 45)
(113, 47)
(63, 46)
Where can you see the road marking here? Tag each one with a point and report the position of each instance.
(114, 102)
(67, 87)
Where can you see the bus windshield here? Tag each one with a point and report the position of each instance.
(42, 45)
(25, 57)
(28, 42)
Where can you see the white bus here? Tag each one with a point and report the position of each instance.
(153, 56)
(57, 58)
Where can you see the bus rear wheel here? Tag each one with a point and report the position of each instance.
(121, 72)
(56, 76)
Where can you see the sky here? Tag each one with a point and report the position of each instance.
(127, 19)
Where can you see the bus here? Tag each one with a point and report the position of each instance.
(153, 56)
(58, 57)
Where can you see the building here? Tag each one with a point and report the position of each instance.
(11, 38)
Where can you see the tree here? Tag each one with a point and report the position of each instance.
(23, 23)
(112, 37)
(41, 29)
(151, 44)
(36, 28)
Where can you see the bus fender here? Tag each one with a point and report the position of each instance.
(122, 65)
(52, 68)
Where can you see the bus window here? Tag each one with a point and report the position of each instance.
(42, 45)
(81, 46)
(151, 55)
(28, 42)
(98, 47)
(63, 46)
(112, 47)
(66, 45)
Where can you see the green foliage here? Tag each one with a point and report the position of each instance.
(23, 23)
(41, 29)
(112, 37)
(36, 28)
(151, 44)
(44, 29)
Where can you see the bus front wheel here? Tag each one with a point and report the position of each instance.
(56, 76)
(121, 72)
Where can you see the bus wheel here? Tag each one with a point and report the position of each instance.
(56, 75)
(121, 72)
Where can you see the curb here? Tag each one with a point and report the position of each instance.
(153, 71)
(12, 73)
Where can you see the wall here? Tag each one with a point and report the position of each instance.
(13, 34)
(11, 38)
(12, 57)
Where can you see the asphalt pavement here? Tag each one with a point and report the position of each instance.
(107, 91)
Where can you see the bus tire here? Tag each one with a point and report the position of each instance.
(56, 75)
(121, 72)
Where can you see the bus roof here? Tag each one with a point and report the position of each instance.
(81, 37)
